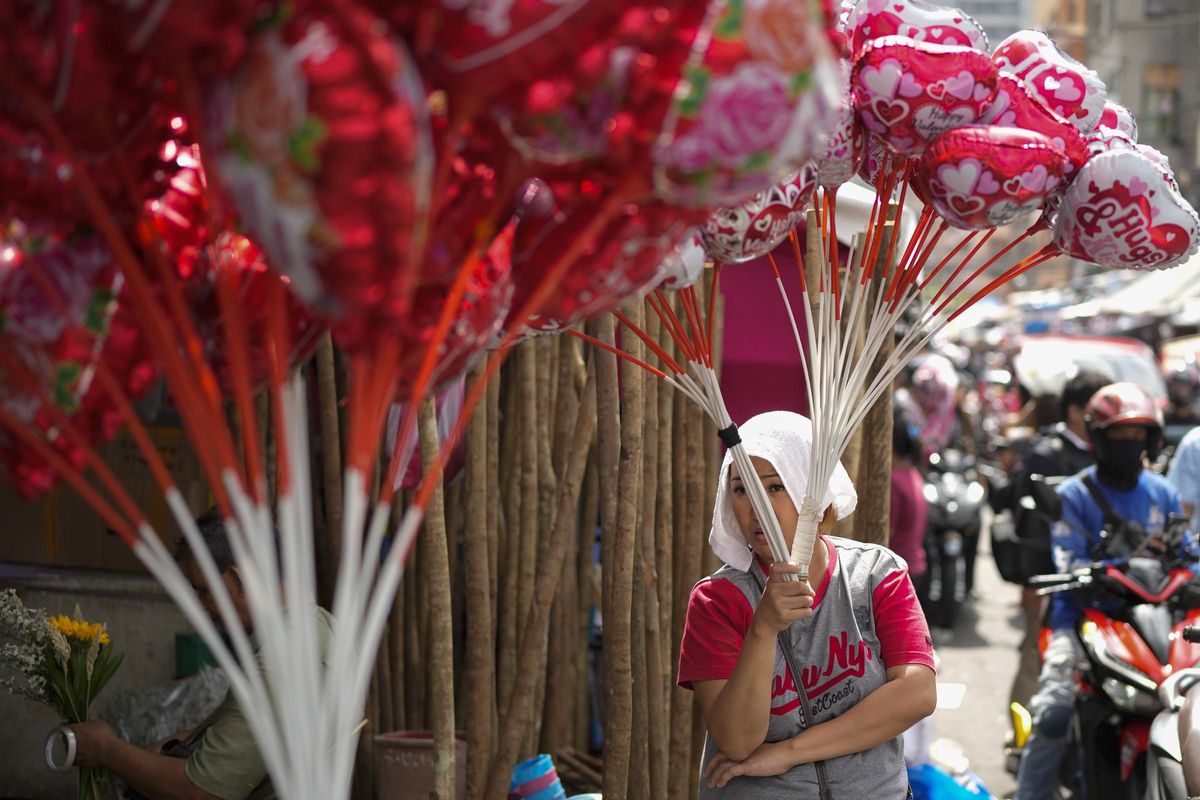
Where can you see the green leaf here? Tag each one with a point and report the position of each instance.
(304, 142)
(801, 82)
(758, 161)
(729, 26)
(97, 313)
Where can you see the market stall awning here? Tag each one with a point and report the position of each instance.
(1156, 293)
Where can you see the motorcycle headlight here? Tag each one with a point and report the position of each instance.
(1093, 639)
(1129, 699)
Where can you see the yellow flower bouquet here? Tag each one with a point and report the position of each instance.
(62, 662)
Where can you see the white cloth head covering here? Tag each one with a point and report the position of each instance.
(785, 439)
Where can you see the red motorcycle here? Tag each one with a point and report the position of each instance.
(1133, 637)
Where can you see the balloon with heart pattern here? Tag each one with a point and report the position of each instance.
(1123, 212)
(982, 176)
(684, 265)
(757, 226)
(874, 154)
(918, 20)
(908, 93)
(1072, 91)
(1016, 106)
(840, 152)
(1119, 118)
(322, 138)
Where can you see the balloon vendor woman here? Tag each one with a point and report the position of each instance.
(849, 649)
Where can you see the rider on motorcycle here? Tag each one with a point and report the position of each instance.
(1124, 425)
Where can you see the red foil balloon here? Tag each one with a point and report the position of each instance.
(756, 227)
(58, 330)
(923, 22)
(201, 254)
(1123, 212)
(479, 318)
(616, 265)
(322, 139)
(1016, 106)
(907, 92)
(1070, 89)
(981, 177)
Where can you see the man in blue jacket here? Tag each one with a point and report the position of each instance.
(1124, 425)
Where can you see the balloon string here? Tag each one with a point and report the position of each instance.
(712, 299)
(233, 323)
(831, 245)
(899, 213)
(1003, 251)
(961, 265)
(688, 298)
(873, 217)
(962, 243)
(1045, 254)
(678, 333)
(279, 350)
(913, 271)
(618, 351)
(795, 240)
(658, 349)
(923, 223)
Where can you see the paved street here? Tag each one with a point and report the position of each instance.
(980, 657)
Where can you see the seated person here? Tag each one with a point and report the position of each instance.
(220, 759)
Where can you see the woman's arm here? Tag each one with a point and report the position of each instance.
(909, 695)
(737, 711)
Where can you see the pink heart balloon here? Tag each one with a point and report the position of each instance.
(923, 22)
(757, 226)
(1118, 118)
(840, 151)
(1072, 91)
(1123, 212)
(1016, 106)
(908, 92)
(983, 176)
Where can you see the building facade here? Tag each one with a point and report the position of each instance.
(1000, 18)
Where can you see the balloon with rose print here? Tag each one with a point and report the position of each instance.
(908, 92)
(983, 176)
(322, 139)
(1123, 211)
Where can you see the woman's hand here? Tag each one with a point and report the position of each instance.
(783, 602)
(771, 758)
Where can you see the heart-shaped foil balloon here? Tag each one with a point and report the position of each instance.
(983, 176)
(322, 138)
(757, 226)
(1118, 118)
(684, 265)
(59, 318)
(1122, 212)
(616, 265)
(908, 92)
(920, 21)
(841, 150)
(1017, 106)
(1104, 139)
(1070, 89)
(200, 254)
(480, 317)
(748, 102)
(875, 154)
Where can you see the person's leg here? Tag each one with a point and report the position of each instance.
(1025, 682)
(1051, 708)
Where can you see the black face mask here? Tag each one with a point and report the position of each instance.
(1118, 461)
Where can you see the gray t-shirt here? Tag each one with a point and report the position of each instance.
(866, 619)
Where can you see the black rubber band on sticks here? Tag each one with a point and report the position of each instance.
(729, 436)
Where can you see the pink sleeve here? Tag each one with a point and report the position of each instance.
(718, 617)
(900, 623)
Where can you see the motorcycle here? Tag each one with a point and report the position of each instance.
(1123, 741)
(955, 499)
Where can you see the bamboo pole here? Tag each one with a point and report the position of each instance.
(516, 716)
(585, 601)
(415, 642)
(608, 447)
(480, 642)
(493, 516)
(527, 377)
(396, 641)
(663, 551)
(437, 577)
(510, 540)
(331, 462)
(852, 458)
(618, 687)
(681, 699)
(699, 429)
(875, 480)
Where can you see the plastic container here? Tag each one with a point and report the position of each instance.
(404, 765)
(536, 779)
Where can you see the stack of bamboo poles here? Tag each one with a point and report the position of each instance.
(550, 584)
